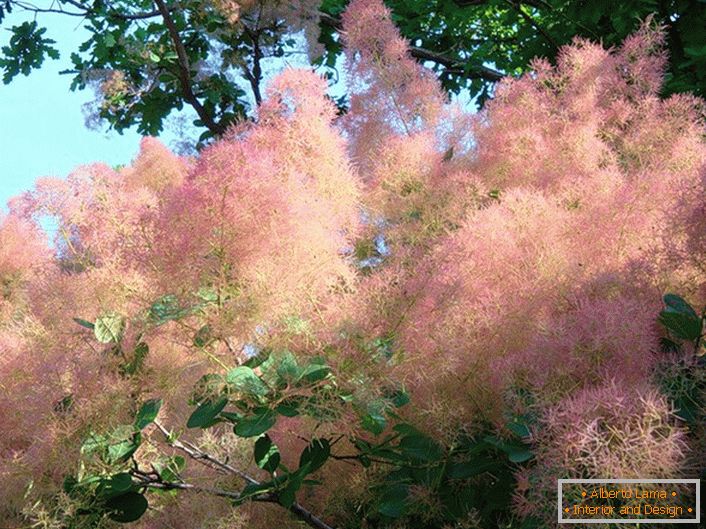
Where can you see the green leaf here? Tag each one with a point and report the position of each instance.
(254, 425)
(516, 452)
(252, 490)
(315, 373)
(122, 450)
(315, 454)
(680, 318)
(288, 408)
(127, 507)
(680, 305)
(245, 380)
(203, 336)
(109, 327)
(519, 429)
(147, 413)
(115, 485)
(399, 398)
(267, 454)
(420, 447)
(84, 323)
(171, 470)
(138, 359)
(208, 295)
(287, 496)
(680, 324)
(393, 500)
(165, 309)
(280, 369)
(374, 421)
(465, 470)
(204, 416)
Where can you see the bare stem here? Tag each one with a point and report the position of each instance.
(199, 455)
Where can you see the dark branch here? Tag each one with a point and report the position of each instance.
(532, 22)
(254, 77)
(155, 482)
(455, 67)
(83, 10)
(452, 66)
(199, 455)
(185, 72)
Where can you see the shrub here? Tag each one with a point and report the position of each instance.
(406, 316)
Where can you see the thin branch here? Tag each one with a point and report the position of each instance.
(532, 22)
(452, 66)
(185, 72)
(85, 11)
(35, 9)
(199, 455)
(152, 481)
(455, 67)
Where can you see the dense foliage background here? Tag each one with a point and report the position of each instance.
(404, 315)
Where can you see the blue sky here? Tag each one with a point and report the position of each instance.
(42, 129)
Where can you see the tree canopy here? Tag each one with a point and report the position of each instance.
(147, 59)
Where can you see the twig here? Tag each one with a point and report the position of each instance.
(199, 455)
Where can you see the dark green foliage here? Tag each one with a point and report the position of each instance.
(257, 423)
(205, 415)
(469, 43)
(267, 454)
(680, 318)
(147, 413)
(114, 496)
(128, 507)
(26, 51)
(315, 455)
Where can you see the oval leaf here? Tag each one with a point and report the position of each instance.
(127, 507)
(267, 454)
(148, 413)
(315, 454)
(254, 425)
(204, 416)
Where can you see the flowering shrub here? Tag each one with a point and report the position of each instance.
(434, 314)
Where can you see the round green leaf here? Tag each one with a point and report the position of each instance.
(393, 500)
(127, 507)
(109, 327)
(115, 485)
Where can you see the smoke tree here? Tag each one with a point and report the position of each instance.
(407, 315)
